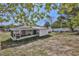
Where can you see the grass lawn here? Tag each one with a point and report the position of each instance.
(56, 44)
(4, 36)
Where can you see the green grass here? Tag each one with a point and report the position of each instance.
(57, 44)
(4, 36)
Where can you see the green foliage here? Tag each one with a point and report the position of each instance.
(60, 24)
(48, 6)
(72, 11)
(1, 20)
(32, 17)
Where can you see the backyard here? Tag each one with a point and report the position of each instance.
(66, 44)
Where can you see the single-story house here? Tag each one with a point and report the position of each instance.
(22, 32)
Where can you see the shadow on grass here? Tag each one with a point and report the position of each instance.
(74, 33)
(10, 43)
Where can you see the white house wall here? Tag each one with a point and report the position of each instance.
(43, 32)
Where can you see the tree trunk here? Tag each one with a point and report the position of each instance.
(71, 27)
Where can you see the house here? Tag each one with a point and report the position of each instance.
(23, 32)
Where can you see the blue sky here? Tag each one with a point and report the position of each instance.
(53, 14)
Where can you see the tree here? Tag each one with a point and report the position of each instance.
(71, 11)
(1, 20)
(30, 17)
(61, 20)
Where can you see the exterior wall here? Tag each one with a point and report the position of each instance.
(43, 32)
(49, 29)
(21, 34)
(26, 32)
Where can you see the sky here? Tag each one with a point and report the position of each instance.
(53, 14)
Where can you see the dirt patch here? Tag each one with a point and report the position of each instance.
(59, 44)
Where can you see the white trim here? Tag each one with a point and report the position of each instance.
(24, 37)
(12, 38)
